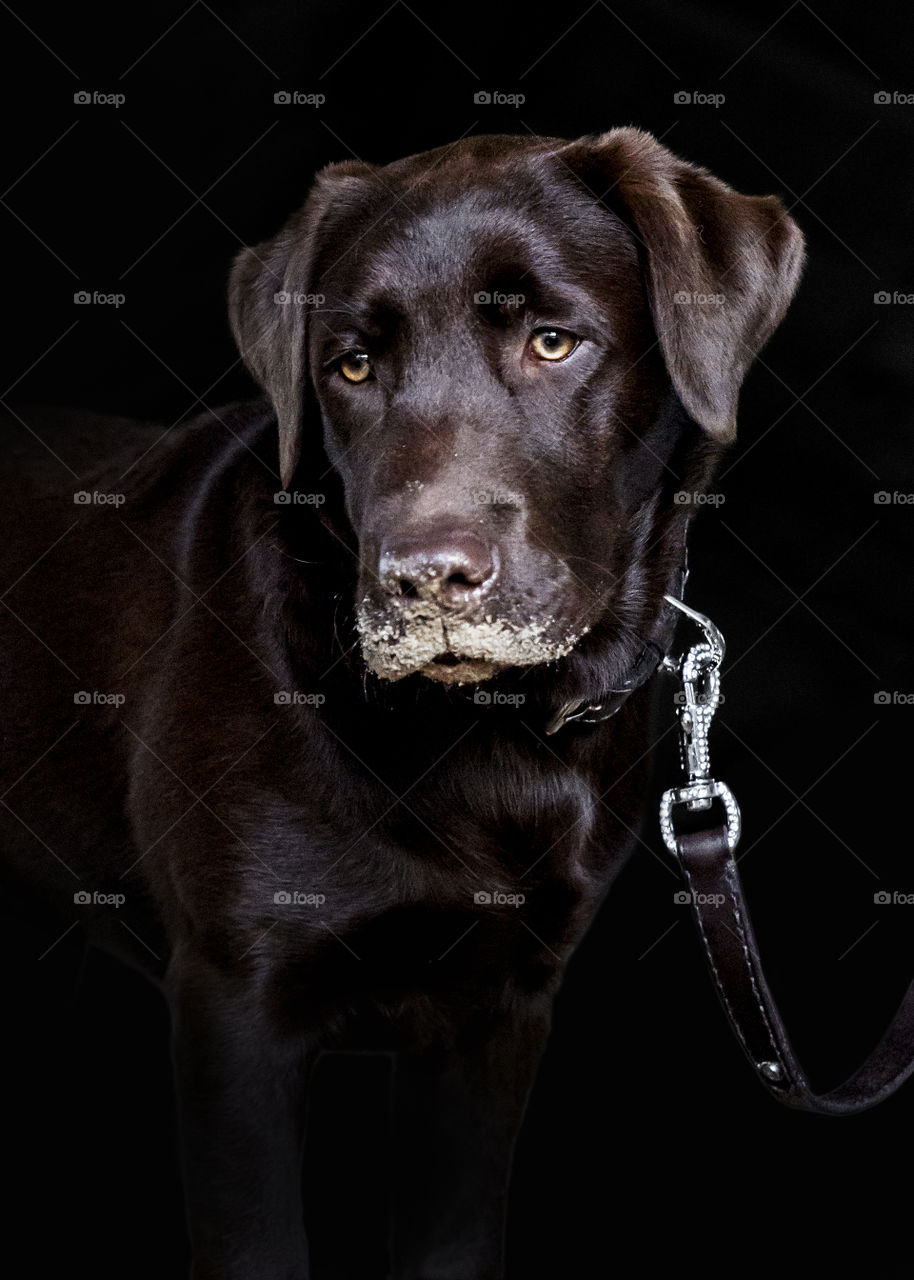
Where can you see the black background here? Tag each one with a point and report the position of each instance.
(648, 1137)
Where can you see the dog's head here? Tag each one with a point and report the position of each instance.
(505, 344)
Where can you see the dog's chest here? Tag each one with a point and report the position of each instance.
(431, 902)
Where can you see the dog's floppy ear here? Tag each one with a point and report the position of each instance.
(721, 268)
(270, 296)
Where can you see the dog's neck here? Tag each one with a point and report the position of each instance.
(657, 645)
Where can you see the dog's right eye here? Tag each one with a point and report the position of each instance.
(355, 366)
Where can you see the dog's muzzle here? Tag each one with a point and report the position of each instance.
(437, 613)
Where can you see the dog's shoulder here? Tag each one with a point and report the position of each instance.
(103, 519)
(53, 451)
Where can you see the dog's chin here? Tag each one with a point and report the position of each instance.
(451, 670)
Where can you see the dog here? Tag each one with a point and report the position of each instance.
(341, 697)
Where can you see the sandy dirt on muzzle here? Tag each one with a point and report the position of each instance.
(395, 647)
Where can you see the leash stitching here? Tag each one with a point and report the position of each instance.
(743, 939)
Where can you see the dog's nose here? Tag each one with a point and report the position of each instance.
(443, 566)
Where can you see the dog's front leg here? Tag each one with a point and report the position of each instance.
(458, 1113)
(241, 1087)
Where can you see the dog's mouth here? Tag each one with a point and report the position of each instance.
(459, 668)
(455, 649)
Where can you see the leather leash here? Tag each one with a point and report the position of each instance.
(705, 854)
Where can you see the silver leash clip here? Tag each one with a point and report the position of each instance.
(698, 671)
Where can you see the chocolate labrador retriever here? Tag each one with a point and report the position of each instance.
(309, 699)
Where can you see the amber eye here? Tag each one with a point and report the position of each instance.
(355, 366)
(553, 344)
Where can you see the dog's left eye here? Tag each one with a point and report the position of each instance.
(553, 344)
(355, 366)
